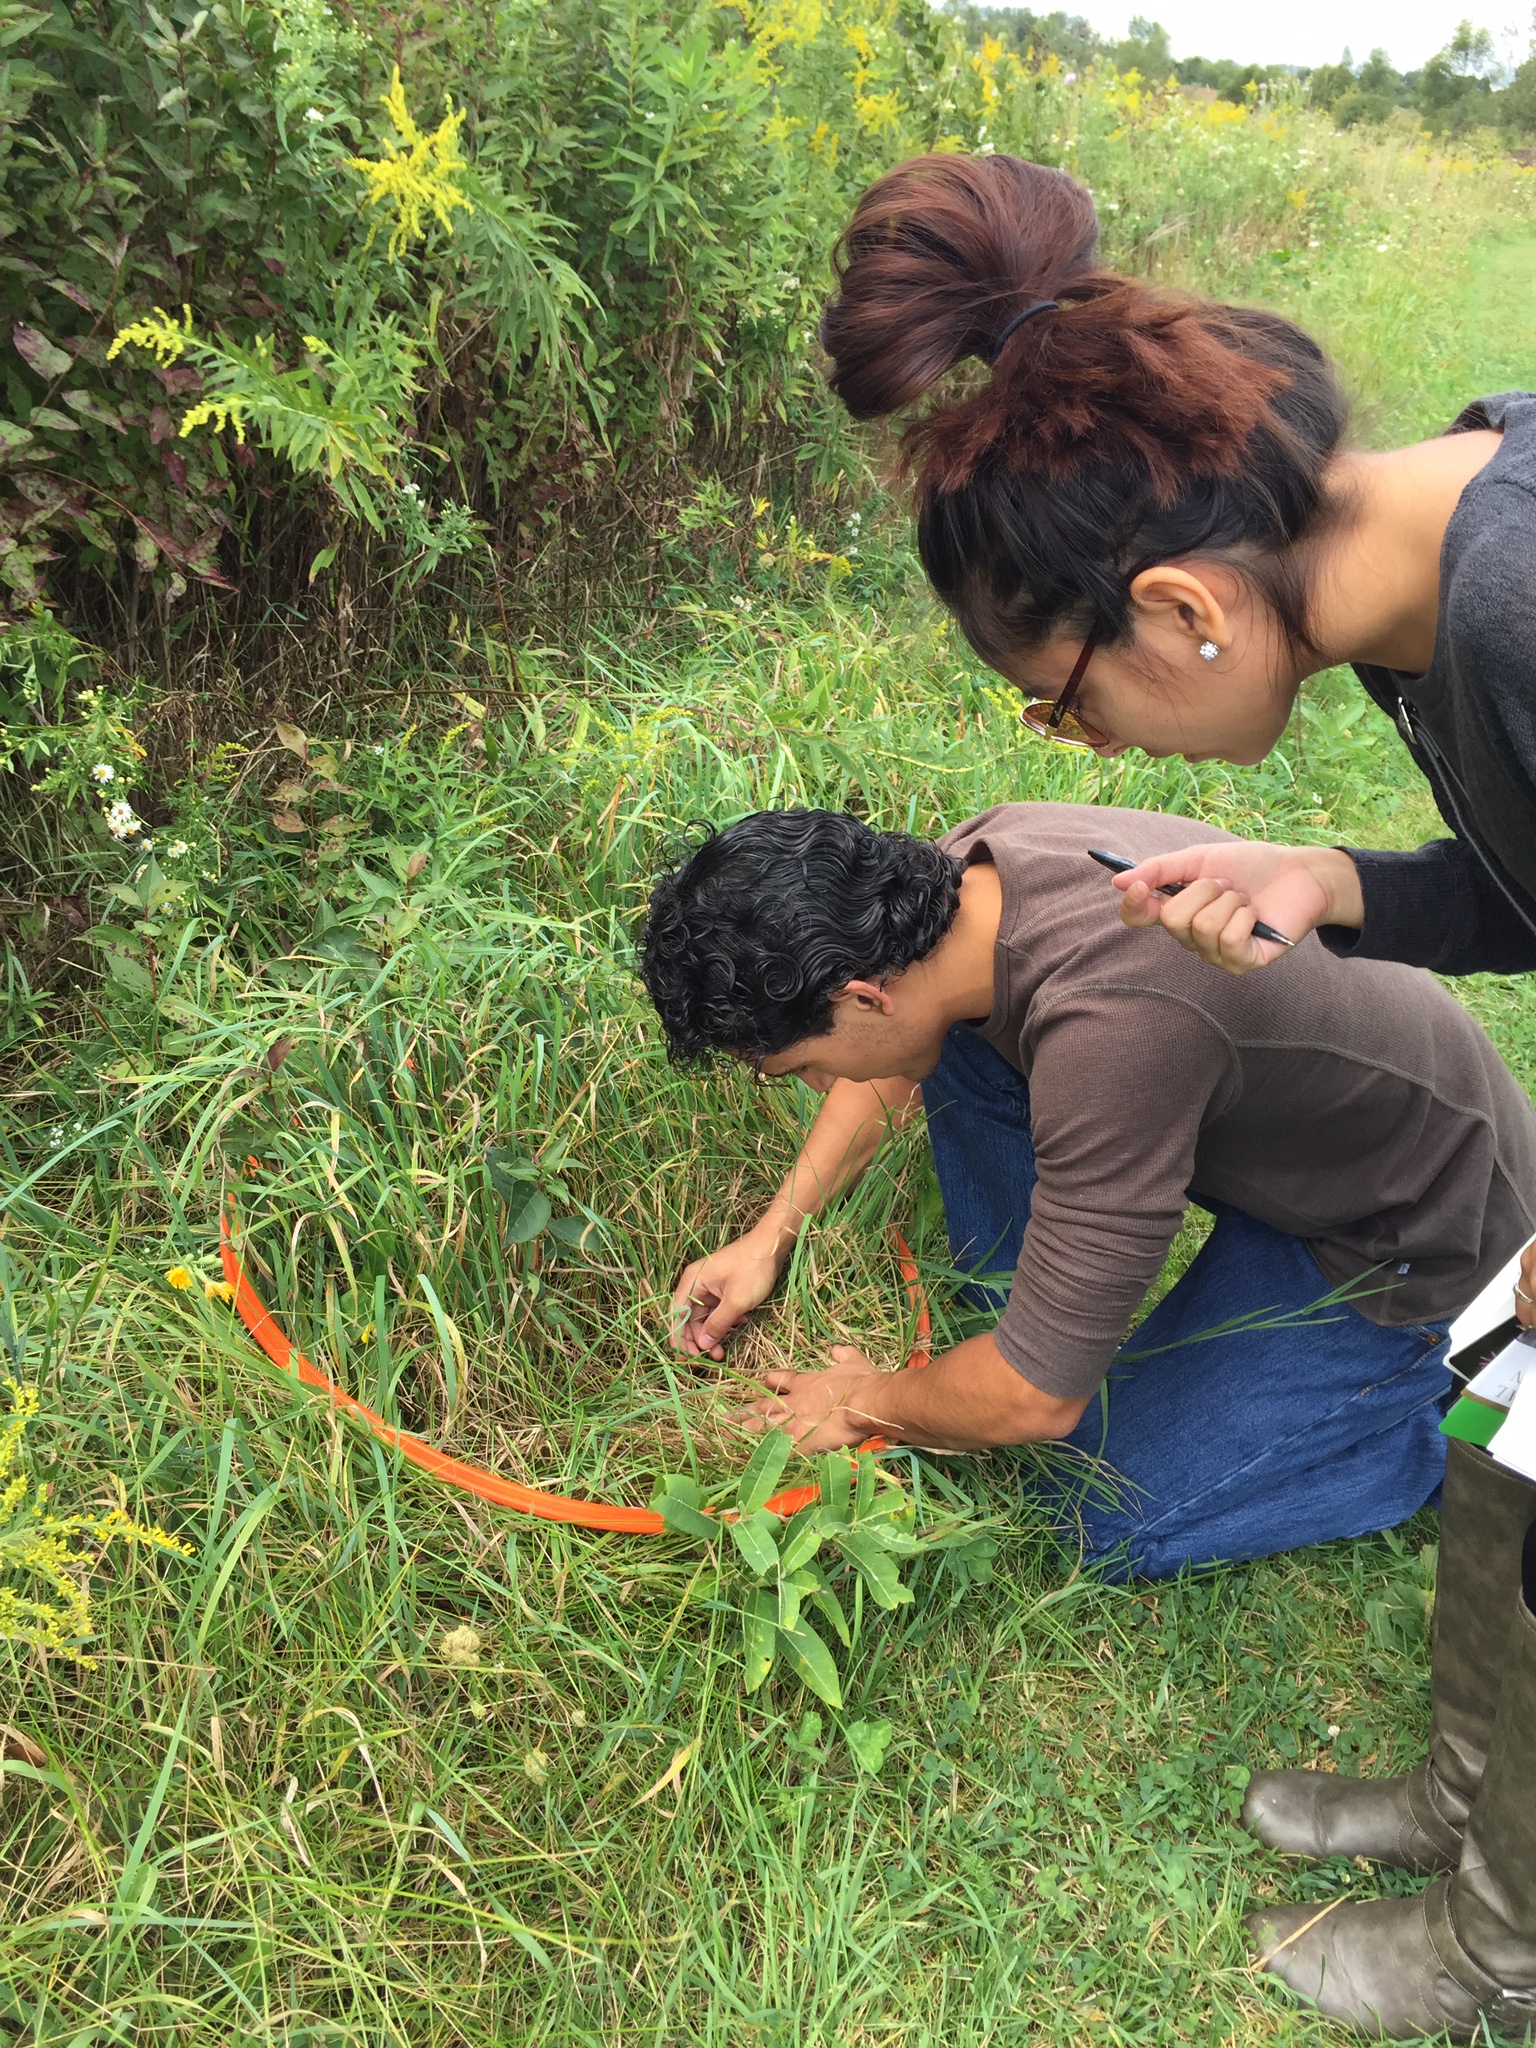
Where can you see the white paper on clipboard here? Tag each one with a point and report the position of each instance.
(1493, 1306)
(1501, 1380)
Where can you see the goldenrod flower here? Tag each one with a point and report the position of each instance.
(179, 1278)
(218, 413)
(159, 334)
(36, 1541)
(417, 179)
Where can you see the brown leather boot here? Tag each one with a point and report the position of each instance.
(1416, 1822)
(1462, 1954)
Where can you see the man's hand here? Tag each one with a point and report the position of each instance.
(1525, 1289)
(717, 1293)
(965, 1401)
(823, 1411)
(1229, 886)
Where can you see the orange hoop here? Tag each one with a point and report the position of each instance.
(488, 1486)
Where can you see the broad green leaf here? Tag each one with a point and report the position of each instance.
(762, 1471)
(677, 1500)
(40, 354)
(889, 1535)
(526, 1219)
(811, 1661)
(836, 1487)
(802, 1539)
(869, 1741)
(759, 1637)
(789, 1603)
(582, 1233)
(510, 1173)
(875, 1567)
(754, 1536)
(864, 1491)
(344, 947)
(826, 1602)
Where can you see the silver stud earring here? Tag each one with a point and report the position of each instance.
(1209, 650)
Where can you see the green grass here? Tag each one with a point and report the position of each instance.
(273, 1811)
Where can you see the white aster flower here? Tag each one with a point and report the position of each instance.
(103, 772)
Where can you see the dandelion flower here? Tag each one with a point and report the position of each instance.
(460, 1646)
(179, 1278)
(218, 1290)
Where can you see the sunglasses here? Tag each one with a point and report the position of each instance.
(1053, 718)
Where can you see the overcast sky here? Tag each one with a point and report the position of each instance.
(1310, 31)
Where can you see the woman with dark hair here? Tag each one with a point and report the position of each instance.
(1147, 517)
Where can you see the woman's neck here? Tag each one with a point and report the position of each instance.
(1376, 585)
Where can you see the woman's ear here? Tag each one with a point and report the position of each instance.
(1188, 606)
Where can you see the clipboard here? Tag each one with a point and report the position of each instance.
(1479, 1337)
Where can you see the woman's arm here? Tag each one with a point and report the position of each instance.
(1435, 907)
(715, 1294)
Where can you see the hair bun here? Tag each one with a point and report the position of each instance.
(941, 254)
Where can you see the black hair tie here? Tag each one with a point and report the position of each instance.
(1029, 312)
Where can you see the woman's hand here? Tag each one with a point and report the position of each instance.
(1232, 884)
(717, 1293)
(1525, 1289)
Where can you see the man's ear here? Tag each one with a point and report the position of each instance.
(868, 996)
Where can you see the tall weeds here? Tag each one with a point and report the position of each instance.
(558, 268)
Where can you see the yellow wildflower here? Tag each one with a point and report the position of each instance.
(35, 1541)
(218, 1290)
(158, 333)
(418, 178)
(460, 1645)
(218, 413)
(179, 1278)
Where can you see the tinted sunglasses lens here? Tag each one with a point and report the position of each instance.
(1067, 732)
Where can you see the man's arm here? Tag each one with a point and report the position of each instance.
(716, 1293)
(967, 1400)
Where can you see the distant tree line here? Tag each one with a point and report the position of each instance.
(1465, 85)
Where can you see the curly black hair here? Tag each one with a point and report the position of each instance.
(743, 944)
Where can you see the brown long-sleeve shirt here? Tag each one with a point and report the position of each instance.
(1353, 1104)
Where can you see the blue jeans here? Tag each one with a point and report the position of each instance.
(1223, 1449)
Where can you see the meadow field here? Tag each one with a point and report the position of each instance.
(373, 983)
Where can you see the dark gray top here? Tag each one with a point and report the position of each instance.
(1468, 905)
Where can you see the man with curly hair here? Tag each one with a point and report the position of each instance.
(1369, 1161)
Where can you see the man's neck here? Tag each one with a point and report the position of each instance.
(963, 965)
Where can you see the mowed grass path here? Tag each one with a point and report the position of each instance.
(274, 1811)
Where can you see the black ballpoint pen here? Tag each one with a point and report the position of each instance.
(1119, 865)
